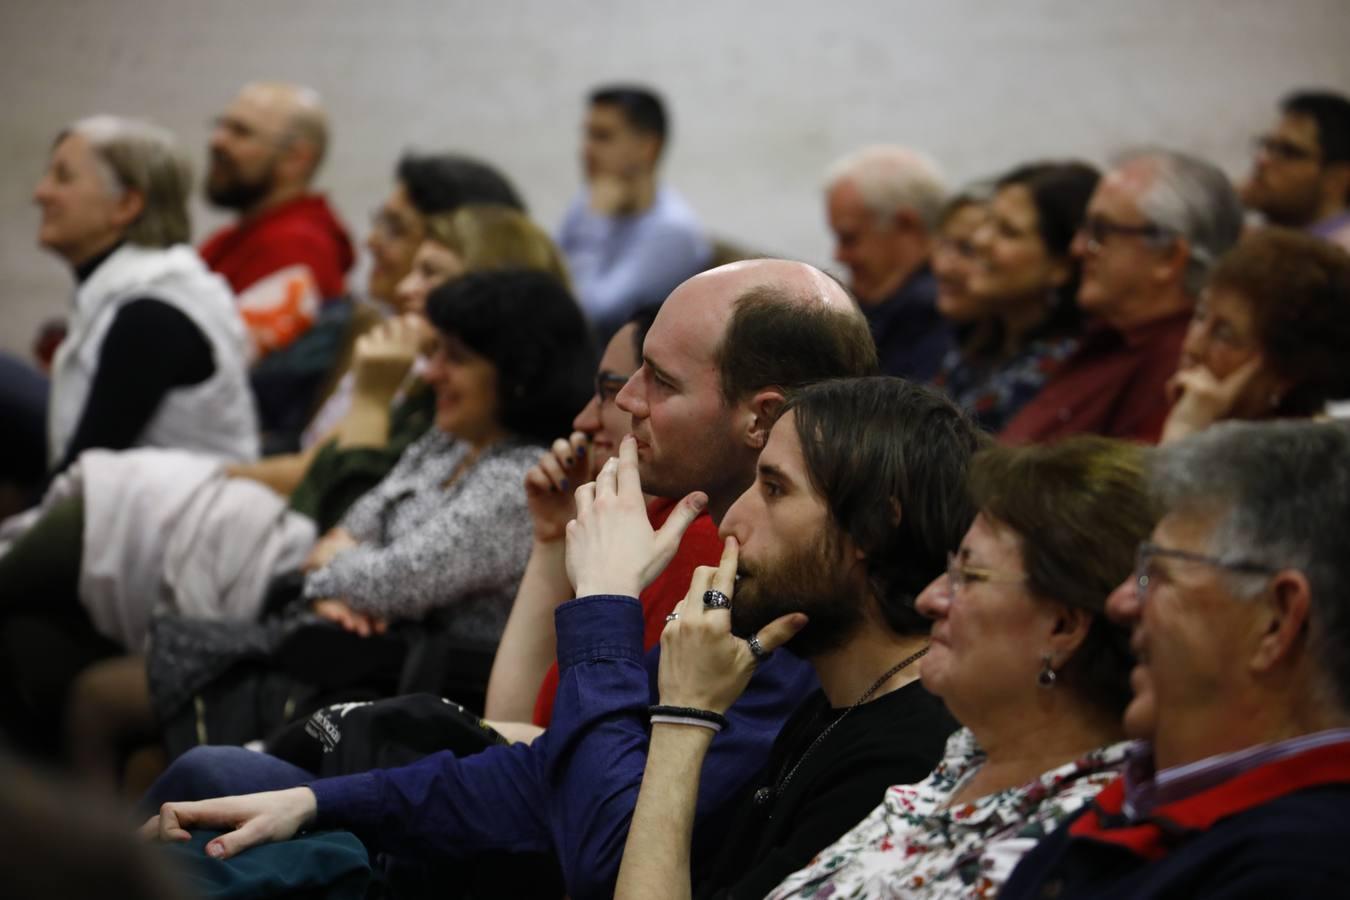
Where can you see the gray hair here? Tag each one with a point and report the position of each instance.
(1280, 492)
(893, 178)
(1191, 199)
(136, 155)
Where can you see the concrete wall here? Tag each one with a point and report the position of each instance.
(764, 94)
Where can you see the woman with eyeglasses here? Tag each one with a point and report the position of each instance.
(1014, 294)
(1026, 660)
(1268, 338)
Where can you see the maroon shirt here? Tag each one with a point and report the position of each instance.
(303, 230)
(1113, 385)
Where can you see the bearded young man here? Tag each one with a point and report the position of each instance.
(858, 499)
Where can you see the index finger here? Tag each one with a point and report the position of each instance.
(725, 578)
(629, 481)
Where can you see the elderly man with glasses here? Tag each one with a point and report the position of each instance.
(1240, 609)
(1300, 176)
(1155, 225)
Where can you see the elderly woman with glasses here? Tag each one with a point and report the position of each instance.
(1268, 337)
(1024, 657)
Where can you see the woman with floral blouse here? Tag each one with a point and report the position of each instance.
(1025, 659)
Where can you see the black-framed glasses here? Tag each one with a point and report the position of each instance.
(1148, 551)
(1281, 149)
(608, 385)
(1097, 229)
(959, 575)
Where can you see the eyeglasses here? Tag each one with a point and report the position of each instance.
(1148, 551)
(959, 575)
(1096, 230)
(608, 385)
(1281, 149)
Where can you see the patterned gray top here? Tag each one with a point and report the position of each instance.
(426, 545)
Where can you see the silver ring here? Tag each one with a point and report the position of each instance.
(757, 649)
(671, 617)
(715, 599)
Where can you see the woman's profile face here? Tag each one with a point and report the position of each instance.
(465, 383)
(954, 263)
(1011, 261)
(987, 633)
(396, 231)
(82, 214)
(432, 266)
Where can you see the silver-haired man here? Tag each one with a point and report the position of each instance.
(883, 205)
(1155, 225)
(1240, 608)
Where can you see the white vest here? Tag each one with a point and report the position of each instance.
(216, 417)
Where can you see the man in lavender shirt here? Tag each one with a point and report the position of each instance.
(1240, 607)
(629, 240)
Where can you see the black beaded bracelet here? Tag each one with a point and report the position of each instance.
(689, 712)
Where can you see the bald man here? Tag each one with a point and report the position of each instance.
(716, 362)
(287, 253)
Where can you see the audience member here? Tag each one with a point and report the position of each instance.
(287, 252)
(424, 186)
(1300, 175)
(856, 506)
(1024, 657)
(883, 205)
(1018, 291)
(1156, 224)
(629, 240)
(1268, 336)
(155, 352)
(954, 257)
(723, 349)
(1241, 697)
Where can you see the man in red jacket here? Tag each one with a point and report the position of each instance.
(287, 253)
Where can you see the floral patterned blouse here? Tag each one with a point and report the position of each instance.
(914, 845)
(993, 392)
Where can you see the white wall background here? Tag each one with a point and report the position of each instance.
(764, 94)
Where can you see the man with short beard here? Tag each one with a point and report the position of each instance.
(858, 500)
(287, 253)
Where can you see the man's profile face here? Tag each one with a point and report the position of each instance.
(863, 243)
(1186, 630)
(684, 430)
(793, 557)
(1285, 179)
(1117, 269)
(611, 146)
(246, 142)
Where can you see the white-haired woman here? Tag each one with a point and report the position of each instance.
(156, 352)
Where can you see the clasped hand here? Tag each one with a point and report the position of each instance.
(611, 545)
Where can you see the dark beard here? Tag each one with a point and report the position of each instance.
(234, 193)
(808, 581)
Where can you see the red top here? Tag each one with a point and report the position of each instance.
(700, 546)
(301, 231)
(1113, 385)
(1148, 838)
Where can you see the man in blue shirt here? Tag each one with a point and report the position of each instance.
(716, 363)
(628, 240)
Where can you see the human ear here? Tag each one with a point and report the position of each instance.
(1069, 629)
(128, 207)
(761, 412)
(1288, 600)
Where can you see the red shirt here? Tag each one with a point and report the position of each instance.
(301, 231)
(1113, 385)
(700, 546)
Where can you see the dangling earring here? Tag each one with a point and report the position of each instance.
(1047, 676)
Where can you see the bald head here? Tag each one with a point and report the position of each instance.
(722, 352)
(266, 146)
